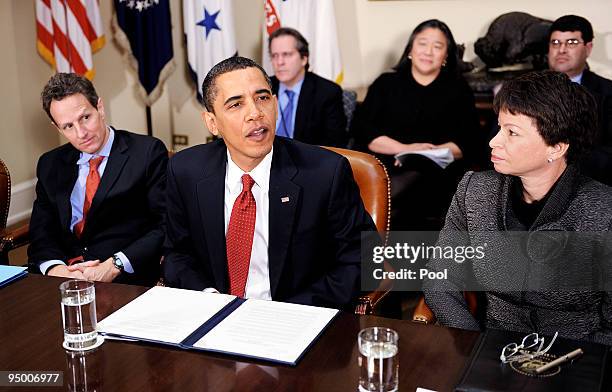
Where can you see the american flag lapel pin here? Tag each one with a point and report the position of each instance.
(285, 199)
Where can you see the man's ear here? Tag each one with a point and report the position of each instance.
(275, 106)
(589, 47)
(100, 107)
(211, 122)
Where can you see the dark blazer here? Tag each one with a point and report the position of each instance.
(601, 88)
(598, 164)
(126, 213)
(314, 238)
(320, 117)
(529, 286)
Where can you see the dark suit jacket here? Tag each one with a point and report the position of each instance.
(126, 213)
(320, 117)
(601, 88)
(598, 164)
(314, 239)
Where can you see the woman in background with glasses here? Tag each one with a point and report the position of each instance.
(423, 105)
(542, 226)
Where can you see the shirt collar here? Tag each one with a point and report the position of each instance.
(261, 173)
(577, 78)
(104, 152)
(296, 88)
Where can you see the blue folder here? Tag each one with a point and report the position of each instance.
(10, 273)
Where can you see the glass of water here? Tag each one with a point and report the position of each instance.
(79, 314)
(378, 360)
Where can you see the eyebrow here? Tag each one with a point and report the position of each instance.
(510, 125)
(424, 39)
(81, 115)
(234, 98)
(263, 91)
(238, 97)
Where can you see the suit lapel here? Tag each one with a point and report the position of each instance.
(275, 84)
(305, 102)
(283, 198)
(116, 161)
(65, 184)
(587, 80)
(211, 196)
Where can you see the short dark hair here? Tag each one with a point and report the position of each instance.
(234, 63)
(301, 45)
(405, 63)
(62, 85)
(573, 23)
(563, 111)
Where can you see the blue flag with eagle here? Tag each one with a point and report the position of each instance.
(210, 36)
(144, 31)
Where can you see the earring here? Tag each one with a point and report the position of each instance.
(409, 57)
(444, 63)
(549, 160)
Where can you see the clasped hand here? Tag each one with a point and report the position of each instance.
(93, 270)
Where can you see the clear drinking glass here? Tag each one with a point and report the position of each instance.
(84, 370)
(79, 314)
(378, 359)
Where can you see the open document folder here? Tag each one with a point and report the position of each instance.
(10, 273)
(441, 156)
(268, 330)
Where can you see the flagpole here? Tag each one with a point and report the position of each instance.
(149, 122)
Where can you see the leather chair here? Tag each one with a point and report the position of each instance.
(375, 189)
(14, 238)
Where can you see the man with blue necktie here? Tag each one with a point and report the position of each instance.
(310, 107)
(99, 198)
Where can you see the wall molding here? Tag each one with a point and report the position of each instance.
(22, 198)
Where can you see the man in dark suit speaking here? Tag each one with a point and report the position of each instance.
(99, 198)
(258, 216)
(310, 107)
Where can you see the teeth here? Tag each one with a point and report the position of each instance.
(257, 132)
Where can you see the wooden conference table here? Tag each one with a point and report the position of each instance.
(31, 339)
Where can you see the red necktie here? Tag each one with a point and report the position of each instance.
(91, 186)
(239, 238)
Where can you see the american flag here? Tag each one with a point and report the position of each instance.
(68, 33)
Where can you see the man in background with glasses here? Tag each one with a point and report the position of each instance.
(570, 44)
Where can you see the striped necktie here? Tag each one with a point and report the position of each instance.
(286, 125)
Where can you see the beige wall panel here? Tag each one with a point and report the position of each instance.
(25, 132)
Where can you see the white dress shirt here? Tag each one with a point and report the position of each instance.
(258, 280)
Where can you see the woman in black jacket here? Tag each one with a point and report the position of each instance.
(424, 105)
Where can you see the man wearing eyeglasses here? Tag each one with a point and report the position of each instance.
(570, 44)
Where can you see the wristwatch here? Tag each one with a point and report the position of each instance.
(118, 263)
